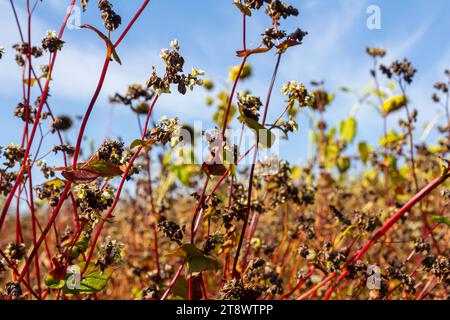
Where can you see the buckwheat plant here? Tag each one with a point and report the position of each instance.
(150, 218)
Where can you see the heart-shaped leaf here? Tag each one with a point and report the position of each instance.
(80, 176)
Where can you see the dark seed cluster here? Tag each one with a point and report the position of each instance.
(278, 9)
(22, 50)
(249, 105)
(136, 97)
(14, 290)
(172, 230)
(164, 130)
(61, 123)
(45, 169)
(51, 42)
(110, 18)
(63, 148)
(111, 151)
(7, 181)
(13, 154)
(15, 251)
(110, 254)
(403, 70)
(49, 192)
(92, 201)
(21, 112)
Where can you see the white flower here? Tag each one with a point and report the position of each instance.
(164, 119)
(164, 53)
(174, 43)
(196, 72)
(51, 33)
(107, 195)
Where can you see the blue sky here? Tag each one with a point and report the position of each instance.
(209, 32)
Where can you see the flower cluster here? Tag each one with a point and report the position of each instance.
(172, 230)
(249, 105)
(399, 273)
(15, 251)
(110, 254)
(110, 18)
(49, 191)
(278, 183)
(111, 151)
(136, 97)
(22, 50)
(212, 241)
(6, 181)
(442, 87)
(45, 169)
(246, 72)
(255, 4)
(13, 154)
(164, 130)
(297, 93)
(92, 200)
(376, 52)
(236, 289)
(63, 148)
(403, 70)
(20, 112)
(278, 9)
(61, 123)
(439, 266)
(271, 35)
(258, 278)
(174, 73)
(51, 42)
(14, 290)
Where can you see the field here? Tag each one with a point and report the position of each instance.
(159, 209)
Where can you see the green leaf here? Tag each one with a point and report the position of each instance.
(181, 288)
(79, 247)
(93, 280)
(54, 283)
(343, 164)
(141, 143)
(347, 129)
(104, 168)
(265, 137)
(137, 143)
(439, 219)
(197, 261)
(185, 172)
(364, 151)
(394, 104)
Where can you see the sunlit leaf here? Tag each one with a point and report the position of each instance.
(347, 129)
(103, 168)
(393, 104)
(243, 8)
(92, 281)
